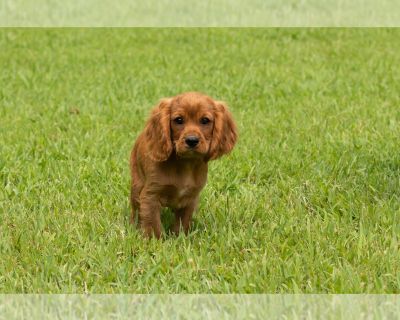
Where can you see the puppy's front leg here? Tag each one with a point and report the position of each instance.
(149, 216)
(183, 218)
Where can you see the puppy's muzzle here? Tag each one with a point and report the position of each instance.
(192, 141)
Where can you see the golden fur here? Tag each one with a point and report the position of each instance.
(169, 159)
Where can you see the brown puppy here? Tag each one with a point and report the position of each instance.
(169, 159)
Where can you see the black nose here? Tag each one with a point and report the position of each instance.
(192, 141)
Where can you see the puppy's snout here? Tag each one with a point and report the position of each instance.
(191, 141)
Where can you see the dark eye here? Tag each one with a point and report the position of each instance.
(178, 120)
(204, 120)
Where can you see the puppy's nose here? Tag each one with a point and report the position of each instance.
(192, 141)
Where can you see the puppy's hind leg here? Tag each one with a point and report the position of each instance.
(134, 206)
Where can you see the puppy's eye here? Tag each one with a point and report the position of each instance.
(178, 120)
(204, 120)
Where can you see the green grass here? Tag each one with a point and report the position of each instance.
(307, 202)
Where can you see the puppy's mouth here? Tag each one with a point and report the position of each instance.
(185, 151)
(189, 153)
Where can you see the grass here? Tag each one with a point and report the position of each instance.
(307, 202)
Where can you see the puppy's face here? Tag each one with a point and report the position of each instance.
(192, 125)
(192, 122)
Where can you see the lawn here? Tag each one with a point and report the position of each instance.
(307, 202)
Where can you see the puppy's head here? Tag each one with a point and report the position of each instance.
(193, 126)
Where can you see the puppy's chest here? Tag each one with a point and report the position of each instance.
(179, 196)
(182, 193)
(181, 183)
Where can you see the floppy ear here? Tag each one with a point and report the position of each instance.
(158, 132)
(224, 132)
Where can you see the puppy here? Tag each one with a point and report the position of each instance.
(169, 159)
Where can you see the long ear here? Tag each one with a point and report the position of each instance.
(224, 132)
(158, 133)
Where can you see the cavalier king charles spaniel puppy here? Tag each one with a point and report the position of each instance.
(169, 159)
